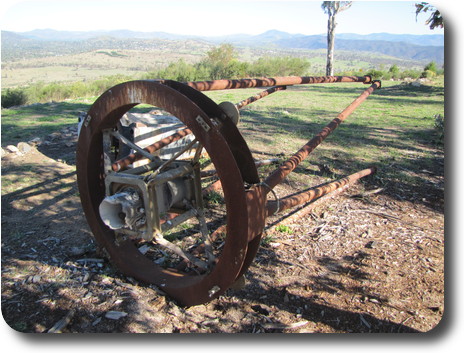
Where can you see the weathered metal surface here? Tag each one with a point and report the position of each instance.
(285, 203)
(258, 96)
(133, 157)
(275, 81)
(287, 167)
(105, 113)
(246, 202)
(227, 128)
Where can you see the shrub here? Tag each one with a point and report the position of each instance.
(13, 97)
(221, 55)
(430, 70)
(387, 76)
(220, 62)
(432, 66)
(280, 66)
(413, 74)
(428, 74)
(179, 71)
(376, 74)
(395, 72)
(95, 88)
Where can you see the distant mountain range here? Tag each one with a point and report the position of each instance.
(404, 46)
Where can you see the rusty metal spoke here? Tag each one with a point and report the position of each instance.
(132, 145)
(206, 238)
(173, 158)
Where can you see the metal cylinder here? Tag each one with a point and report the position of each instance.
(287, 167)
(131, 158)
(300, 198)
(275, 81)
(258, 96)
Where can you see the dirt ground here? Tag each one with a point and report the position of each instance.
(357, 262)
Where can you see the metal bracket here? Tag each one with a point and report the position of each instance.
(203, 123)
(87, 120)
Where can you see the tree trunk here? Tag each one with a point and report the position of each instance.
(330, 44)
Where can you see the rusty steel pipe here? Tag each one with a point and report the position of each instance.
(273, 207)
(275, 81)
(123, 163)
(258, 96)
(287, 167)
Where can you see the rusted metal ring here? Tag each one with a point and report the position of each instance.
(275, 196)
(105, 113)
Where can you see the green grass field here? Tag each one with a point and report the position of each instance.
(394, 125)
(393, 129)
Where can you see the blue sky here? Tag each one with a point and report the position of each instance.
(209, 17)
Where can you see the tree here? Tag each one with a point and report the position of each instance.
(221, 61)
(394, 71)
(332, 8)
(430, 70)
(435, 20)
(222, 55)
(431, 66)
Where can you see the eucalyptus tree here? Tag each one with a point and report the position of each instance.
(435, 19)
(332, 8)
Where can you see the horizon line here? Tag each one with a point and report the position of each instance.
(201, 35)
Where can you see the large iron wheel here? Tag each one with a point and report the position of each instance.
(184, 280)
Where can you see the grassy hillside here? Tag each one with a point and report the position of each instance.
(134, 63)
(90, 65)
(27, 60)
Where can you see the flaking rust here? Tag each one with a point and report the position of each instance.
(200, 217)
